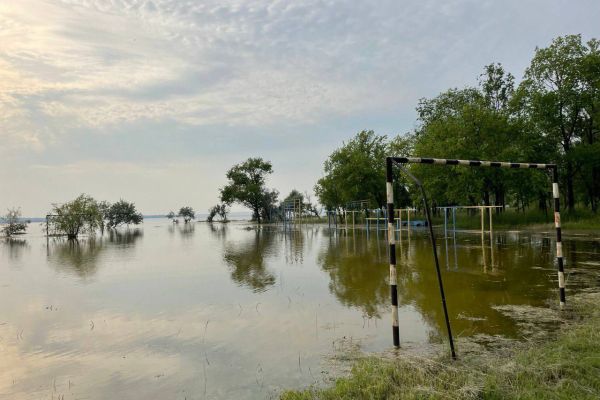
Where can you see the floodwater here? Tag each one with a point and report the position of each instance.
(231, 311)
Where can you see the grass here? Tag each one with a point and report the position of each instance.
(565, 366)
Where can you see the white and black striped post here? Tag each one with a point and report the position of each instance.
(392, 244)
(498, 164)
(559, 253)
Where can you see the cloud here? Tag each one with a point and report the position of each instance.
(134, 80)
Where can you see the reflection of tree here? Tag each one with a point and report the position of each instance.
(471, 290)
(128, 236)
(247, 261)
(15, 247)
(76, 256)
(80, 257)
(187, 230)
(357, 279)
(218, 230)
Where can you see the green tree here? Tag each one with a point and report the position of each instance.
(246, 185)
(187, 213)
(479, 123)
(220, 210)
(76, 217)
(355, 171)
(12, 222)
(560, 101)
(123, 212)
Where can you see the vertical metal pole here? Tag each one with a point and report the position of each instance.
(446, 236)
(400, 220)
(454, 236)
(454, 221)
(437, 265)
(559, 252)
(482, 220)
(434, 249)
(352, 220)
(445, 222)
(392, 244)
(439, 275)
(491, 237)
(346, 219)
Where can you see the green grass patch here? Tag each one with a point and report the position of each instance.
(565, 366)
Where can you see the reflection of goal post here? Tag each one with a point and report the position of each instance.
(390, 161)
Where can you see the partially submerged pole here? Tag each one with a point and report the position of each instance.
(491, 237)
(392, 244)
(559, 253)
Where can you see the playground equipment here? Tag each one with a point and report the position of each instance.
(382, 216)
(401, 161)
(482, 213)
(292, 211)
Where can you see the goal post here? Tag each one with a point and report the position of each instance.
(391, 161)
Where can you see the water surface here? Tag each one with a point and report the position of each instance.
(230, 311)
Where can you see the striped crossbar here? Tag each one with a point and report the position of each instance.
(471, 163)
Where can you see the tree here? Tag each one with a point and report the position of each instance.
(311, 207)
(171, 215)
(187, 213)
(76, 217)
(294, 194)
(12, 222)
(559, 97)
(123, 212)
(246, 185)
(104, 207)
(220, 210)
(355, 171)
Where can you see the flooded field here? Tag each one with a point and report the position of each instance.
(230, 311)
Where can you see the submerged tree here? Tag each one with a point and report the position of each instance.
(123, 212)
(220, 210)
(246, 185)
(12, 222)
(187, 213)
(76, 217)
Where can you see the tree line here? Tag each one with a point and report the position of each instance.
(551, 116)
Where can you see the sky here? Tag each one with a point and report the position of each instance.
(153, 100)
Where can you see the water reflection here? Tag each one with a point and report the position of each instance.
(247, 260)
(81, 257)
(163, 317)
(124, 237)
(15, 247)
(356, 278)
(218, 229)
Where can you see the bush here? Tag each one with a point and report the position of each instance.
(12, 219)
(82, 215)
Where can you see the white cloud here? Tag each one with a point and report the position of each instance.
(81, 79)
